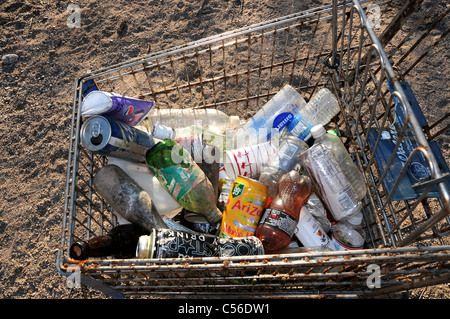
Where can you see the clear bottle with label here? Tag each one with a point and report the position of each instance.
(338, 180)
(322, 107)
(273, 116)
(284, 160)
(349, 234)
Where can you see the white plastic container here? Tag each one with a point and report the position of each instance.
(310, 232)
(140, 173)
(339, 181)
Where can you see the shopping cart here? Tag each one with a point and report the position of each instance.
(369, 54)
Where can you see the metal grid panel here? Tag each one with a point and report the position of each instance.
(237, 72)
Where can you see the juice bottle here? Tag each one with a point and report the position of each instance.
(183, 179)
(281, 217)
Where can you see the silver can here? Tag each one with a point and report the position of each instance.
(107, 136)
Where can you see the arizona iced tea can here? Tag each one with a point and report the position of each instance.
(244, 208)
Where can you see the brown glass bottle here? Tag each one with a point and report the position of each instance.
(119, 242)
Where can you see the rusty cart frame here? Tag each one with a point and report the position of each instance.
(365, 52)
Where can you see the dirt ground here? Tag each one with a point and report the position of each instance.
(36, 96)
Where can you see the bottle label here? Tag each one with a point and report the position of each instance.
(179, 181)
(310, 232)
(279, 220)
(282, 120)
(333, 184)
(339, 246)
(300, 127)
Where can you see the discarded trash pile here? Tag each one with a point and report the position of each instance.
(200, 183)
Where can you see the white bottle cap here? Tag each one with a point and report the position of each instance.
(162, 132)
(356, 219)
(235, 122)
(317, 131)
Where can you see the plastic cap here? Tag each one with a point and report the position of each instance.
(356, 219)
(317, 131)
(235, 122)
(162, 132)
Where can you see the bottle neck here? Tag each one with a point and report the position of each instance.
(98, 246)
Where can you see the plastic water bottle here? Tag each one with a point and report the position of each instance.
(284, 160)
(212, 119)
(273, 116)
(322, 107)
(338, 180)
(349, 234)
(278, 223)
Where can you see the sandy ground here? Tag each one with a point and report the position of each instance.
(36, 94)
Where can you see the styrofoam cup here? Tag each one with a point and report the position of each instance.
(248, 161)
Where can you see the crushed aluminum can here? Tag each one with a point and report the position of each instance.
(168, 243)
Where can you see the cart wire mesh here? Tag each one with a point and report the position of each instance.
(369, 54)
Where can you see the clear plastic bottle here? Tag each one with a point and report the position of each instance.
(212, 119)
(322, 107)
(281, 162)
(338, 180)
(273, 116)
(349, 234)
(278, 223)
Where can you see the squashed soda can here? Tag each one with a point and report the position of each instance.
(199, 223)
(168, 243)
(244, 208)
(107, 136)
(125, 109)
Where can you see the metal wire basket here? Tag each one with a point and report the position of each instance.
(334, 46)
